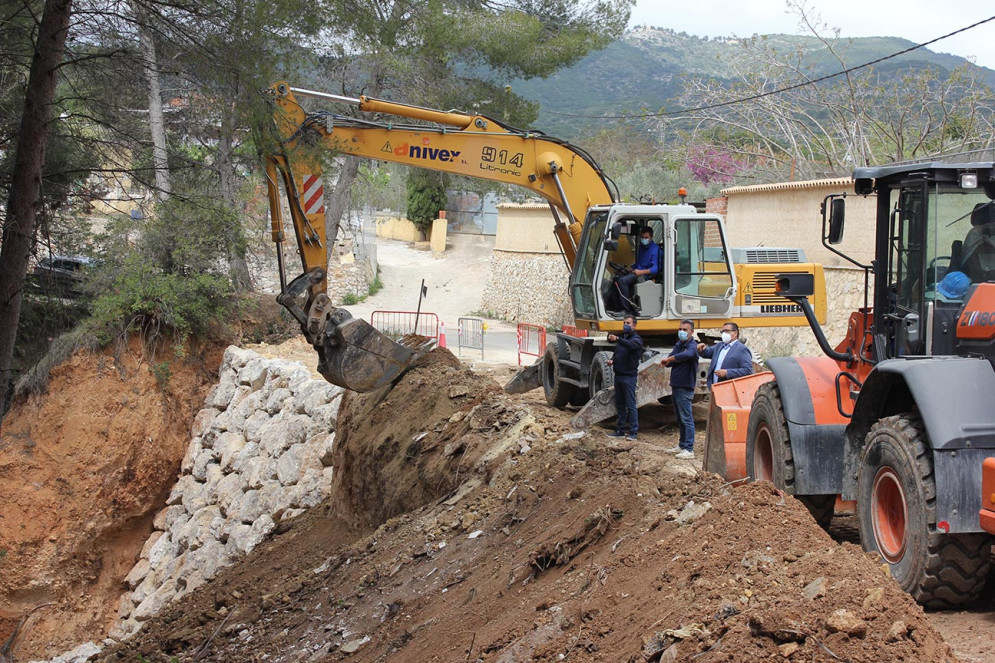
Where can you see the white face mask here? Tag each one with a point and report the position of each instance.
(726, 337)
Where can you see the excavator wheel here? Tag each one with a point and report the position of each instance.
(602, 375)
(768, 452)
(896, 516)
(558, 393)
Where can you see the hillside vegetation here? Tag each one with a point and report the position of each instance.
(645, 69)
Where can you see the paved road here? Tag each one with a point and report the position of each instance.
(455, 283)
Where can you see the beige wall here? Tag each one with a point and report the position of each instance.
(788, 215)
(525, 228)
(392, 227)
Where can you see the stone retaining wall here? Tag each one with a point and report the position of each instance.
(260, 453)
(528, 287)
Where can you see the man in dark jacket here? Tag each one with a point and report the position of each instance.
(625, 362)
(683, 362)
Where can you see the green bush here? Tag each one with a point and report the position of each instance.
(166, 276)
(426, 197)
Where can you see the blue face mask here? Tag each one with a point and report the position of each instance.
(627, 328)
(682, 335)
(644, 241)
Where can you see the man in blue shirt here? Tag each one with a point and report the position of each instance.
(647, 266)
(683, 362)
(730, 358)
(625, 362)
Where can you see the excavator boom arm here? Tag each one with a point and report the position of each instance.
(351, 352)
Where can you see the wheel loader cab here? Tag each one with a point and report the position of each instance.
(942, 241)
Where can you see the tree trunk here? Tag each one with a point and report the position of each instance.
(339, 200)
(25, 189)
(157, 125)
(224, 163)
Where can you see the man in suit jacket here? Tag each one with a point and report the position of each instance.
(730, 358)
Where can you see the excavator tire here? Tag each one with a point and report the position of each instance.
(602, 375)
(558, 393)
(896, 517)
(768, 452)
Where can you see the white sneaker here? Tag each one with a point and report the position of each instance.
(672, 450)
(684, 454)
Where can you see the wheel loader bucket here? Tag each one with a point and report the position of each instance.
(354, 355)
(728, 423)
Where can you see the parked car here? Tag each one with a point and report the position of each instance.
(61, 273)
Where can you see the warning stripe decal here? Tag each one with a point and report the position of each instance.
(313, 195)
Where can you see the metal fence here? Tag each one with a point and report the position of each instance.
(398, 323)
(471, 335)
(531, 340)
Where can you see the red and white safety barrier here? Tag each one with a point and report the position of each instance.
(531, 340)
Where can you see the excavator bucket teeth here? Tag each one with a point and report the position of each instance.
(356, 356)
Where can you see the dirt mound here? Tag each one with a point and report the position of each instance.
(408, 444)
(527, 543)
(83, 469)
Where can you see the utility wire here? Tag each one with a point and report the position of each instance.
(779, 90)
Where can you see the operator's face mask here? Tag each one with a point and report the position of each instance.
(644, 241)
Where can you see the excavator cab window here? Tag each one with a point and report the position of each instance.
(583, 285)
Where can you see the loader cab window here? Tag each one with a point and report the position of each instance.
(907, 250)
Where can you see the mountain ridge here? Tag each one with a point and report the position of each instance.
(644, 72)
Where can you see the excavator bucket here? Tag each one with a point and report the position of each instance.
(354, 355)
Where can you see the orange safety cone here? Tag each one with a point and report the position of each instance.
(442, 334)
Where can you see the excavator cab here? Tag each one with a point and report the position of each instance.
(696, 273)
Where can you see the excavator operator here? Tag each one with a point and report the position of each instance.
(647, 266)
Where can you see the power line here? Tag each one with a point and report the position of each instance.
(779, 90)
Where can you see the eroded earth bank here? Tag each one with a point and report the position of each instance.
(462, 524)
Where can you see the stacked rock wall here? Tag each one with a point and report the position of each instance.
(260, 453)
(528, 287)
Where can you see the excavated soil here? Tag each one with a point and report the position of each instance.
(83, 468)
(468, 525)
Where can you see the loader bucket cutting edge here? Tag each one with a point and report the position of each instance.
(360, 358)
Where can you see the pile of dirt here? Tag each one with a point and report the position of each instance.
(407, 444)
(83, 468)
(524, 542)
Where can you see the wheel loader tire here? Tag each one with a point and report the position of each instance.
(558, 393)
(602, 375)
(896, 517)
(768, 452)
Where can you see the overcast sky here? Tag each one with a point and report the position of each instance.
(915, 20)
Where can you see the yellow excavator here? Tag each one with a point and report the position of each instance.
(701, 278)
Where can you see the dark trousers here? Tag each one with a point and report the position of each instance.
(626, 284)
(625, 404)
(685, 419)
